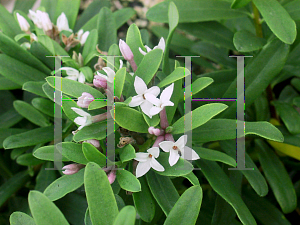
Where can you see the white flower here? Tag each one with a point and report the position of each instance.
(62, 23)
(140, 99)
(163, 101)
(84, 119)
(110, 74)
(41, 20)
(161, 45)
(121, 63)
(24, 25)
(178, 149)
(147, 160)
(74, 74)
(82, 36)
(33, 37)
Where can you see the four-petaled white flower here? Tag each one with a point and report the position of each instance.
(74, 74)
(140, 99)
(62, 23)
(160, 103)
(41, 20)
(110, 74)
(24, 25)
(84, 119)
(147, 161)
(82, 36)
(178, 149)
(161, 45)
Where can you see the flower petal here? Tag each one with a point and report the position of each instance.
(154, 151)
(141, 51)
(148, 49)
(81, 78)
(181, 142)
(153, 90)
(110, 74)
(80, 120)
(173, 158)
(140, 86)
(142, 168)
(156, 165)
(146, 107)
(151, 98)
(168, 103)
(189, 154)
(166, 145)
(80, 112)
(167, 93)
(155, 110)
(161, 44)
(136, 101)
(70, 71)
(141, 156)
(121, 64)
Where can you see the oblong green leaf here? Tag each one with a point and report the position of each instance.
(194, 11)
(73, 152)
(44, 105)
(225, 188)
(70, 8)
(200, 116)
(18, 218)
(35, 87)
(239, 3)
(128, 181)
(277, 177)
(99, 195)
(30, 113)
(127, 153)
(93, 155)
(64, 185)
(245, 41)
(8, 25)
(29, 138)
(7, 84)
(293, 8)
(44, 211)
(93, 131)
(47, 153)
(28, 160)
(126, 216)
(10, 118)
(186, 209)
(278, 19)
(177, 74)
(134, 41)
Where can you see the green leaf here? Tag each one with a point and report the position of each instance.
(128, 181)
(93, 155)
(278, 20)
(28, 159)
(73, 152)
(35, 87)
(97, 104)
(8, 24)
(255, 178)
(47, 153)
(225, 188)
(134, 41)
(192, 178)
(289, 116)
(29, 138)
(17, 218)
(130, 119)
(173, 18)
(293, 8)
(163, 191)
(45, 177)
(19, 72)
(119, 82)
(5, 133)
(126, 216)
(30, 113)
(44, 105)
(93, 131)
(181, 168)
(90, 45)
(70, 8)
(212, 32)
(107, 32)
(127, 153)
(15, 51)
(214, 155)
(99, 195)
(74, 88)
(144, 202)
(245, 41)
(187, 208)
(7, 84)
(47, 42)
(48, 90)
(50, 7)
(177, 74)
(12, 185)
(277, 177)
(122, 16)
(149, 65)
(194, 11)
(9, 118)
(64, 185)
(236, 4)
(200, 116)
(44, 211)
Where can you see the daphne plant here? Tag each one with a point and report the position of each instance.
(102, 126)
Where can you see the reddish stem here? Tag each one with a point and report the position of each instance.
(169, 137)
(163, 119)
(158, 140)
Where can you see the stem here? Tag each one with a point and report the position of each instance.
(133, 65)
(257, 23)
(158, 140)
(101, 117)
(163, 119)
(169, 137)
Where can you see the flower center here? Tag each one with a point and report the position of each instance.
(144, 97)
(150, 156)
(175, 147)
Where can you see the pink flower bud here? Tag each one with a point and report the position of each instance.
(72, 168)
(94, 142)
(111, 176)
(84, 100)
(150, 130)
(125, 50)
(156, 132)
(100, 82)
